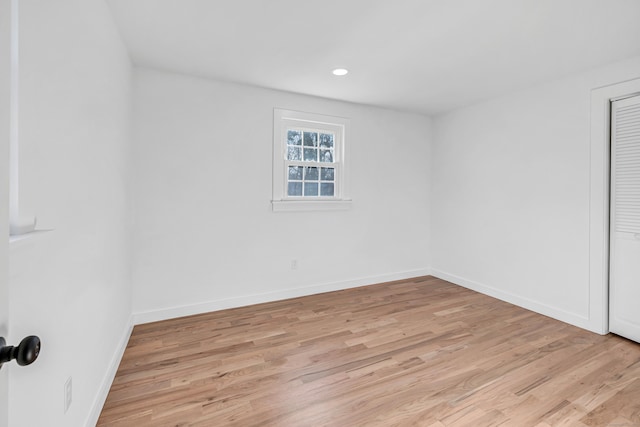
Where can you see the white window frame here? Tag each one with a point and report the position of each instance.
(287, 119)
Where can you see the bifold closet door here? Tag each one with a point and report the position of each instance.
(624, 260)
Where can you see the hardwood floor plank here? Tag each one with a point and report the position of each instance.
(414, 352)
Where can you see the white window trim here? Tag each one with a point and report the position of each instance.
(283, 203)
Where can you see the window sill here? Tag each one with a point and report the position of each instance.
(310, 205)
(31, 234)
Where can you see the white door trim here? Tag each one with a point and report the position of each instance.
(5, 90)
(599, 200)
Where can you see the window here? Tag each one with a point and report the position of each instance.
(309, 159)
(309, 170)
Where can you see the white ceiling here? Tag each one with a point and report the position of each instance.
(426, 56)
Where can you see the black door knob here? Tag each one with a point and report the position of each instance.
(25, 353)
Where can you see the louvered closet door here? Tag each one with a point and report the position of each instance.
(624, 280)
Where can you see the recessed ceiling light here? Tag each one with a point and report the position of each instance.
(340, 72)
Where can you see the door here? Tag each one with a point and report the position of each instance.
(624, 261)
(5, 85)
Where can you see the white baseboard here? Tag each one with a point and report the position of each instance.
(241, 301)
(101, 397)
(541, 308)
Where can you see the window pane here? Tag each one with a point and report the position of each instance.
(326, 189)
(294, 137)
(310, 155)
(294, 153)
(325, 156)
(295, 173)
(310, 139)
(327, 174)
(294, 189)
(310, 174)
(310, 189)
(326, 140)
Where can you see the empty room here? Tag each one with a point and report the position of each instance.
(320, 213)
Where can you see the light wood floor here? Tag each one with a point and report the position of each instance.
(419, 352)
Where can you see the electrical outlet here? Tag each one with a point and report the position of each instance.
(68, 392)
(294, 264)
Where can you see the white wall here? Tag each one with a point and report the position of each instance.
(205, 236)
(71, 286)
(510, 195)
